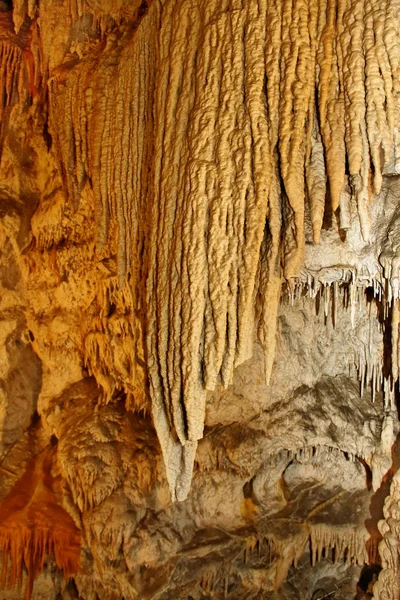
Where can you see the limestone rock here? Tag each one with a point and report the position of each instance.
(199, 298)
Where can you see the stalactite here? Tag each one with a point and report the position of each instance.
(316, 181)
(106, 16)
(346, 288)
(288, 553)
(107, 341)
(345, 208)
(349, 543)
(17, 72)
(331, 96)
(377, 79)
(395, 339)
(296, 85)
(185, 158)
(33, 526)
(388, 585)
(313, 451)
(270, 280)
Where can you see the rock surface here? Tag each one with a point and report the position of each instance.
(199, 299)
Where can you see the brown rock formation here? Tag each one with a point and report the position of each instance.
(34, 526)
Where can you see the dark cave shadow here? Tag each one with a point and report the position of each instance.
(368, 577)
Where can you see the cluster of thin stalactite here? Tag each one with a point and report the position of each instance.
(33, 526)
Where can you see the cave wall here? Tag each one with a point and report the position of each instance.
(199, 308)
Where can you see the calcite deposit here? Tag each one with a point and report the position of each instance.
(199, 299)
